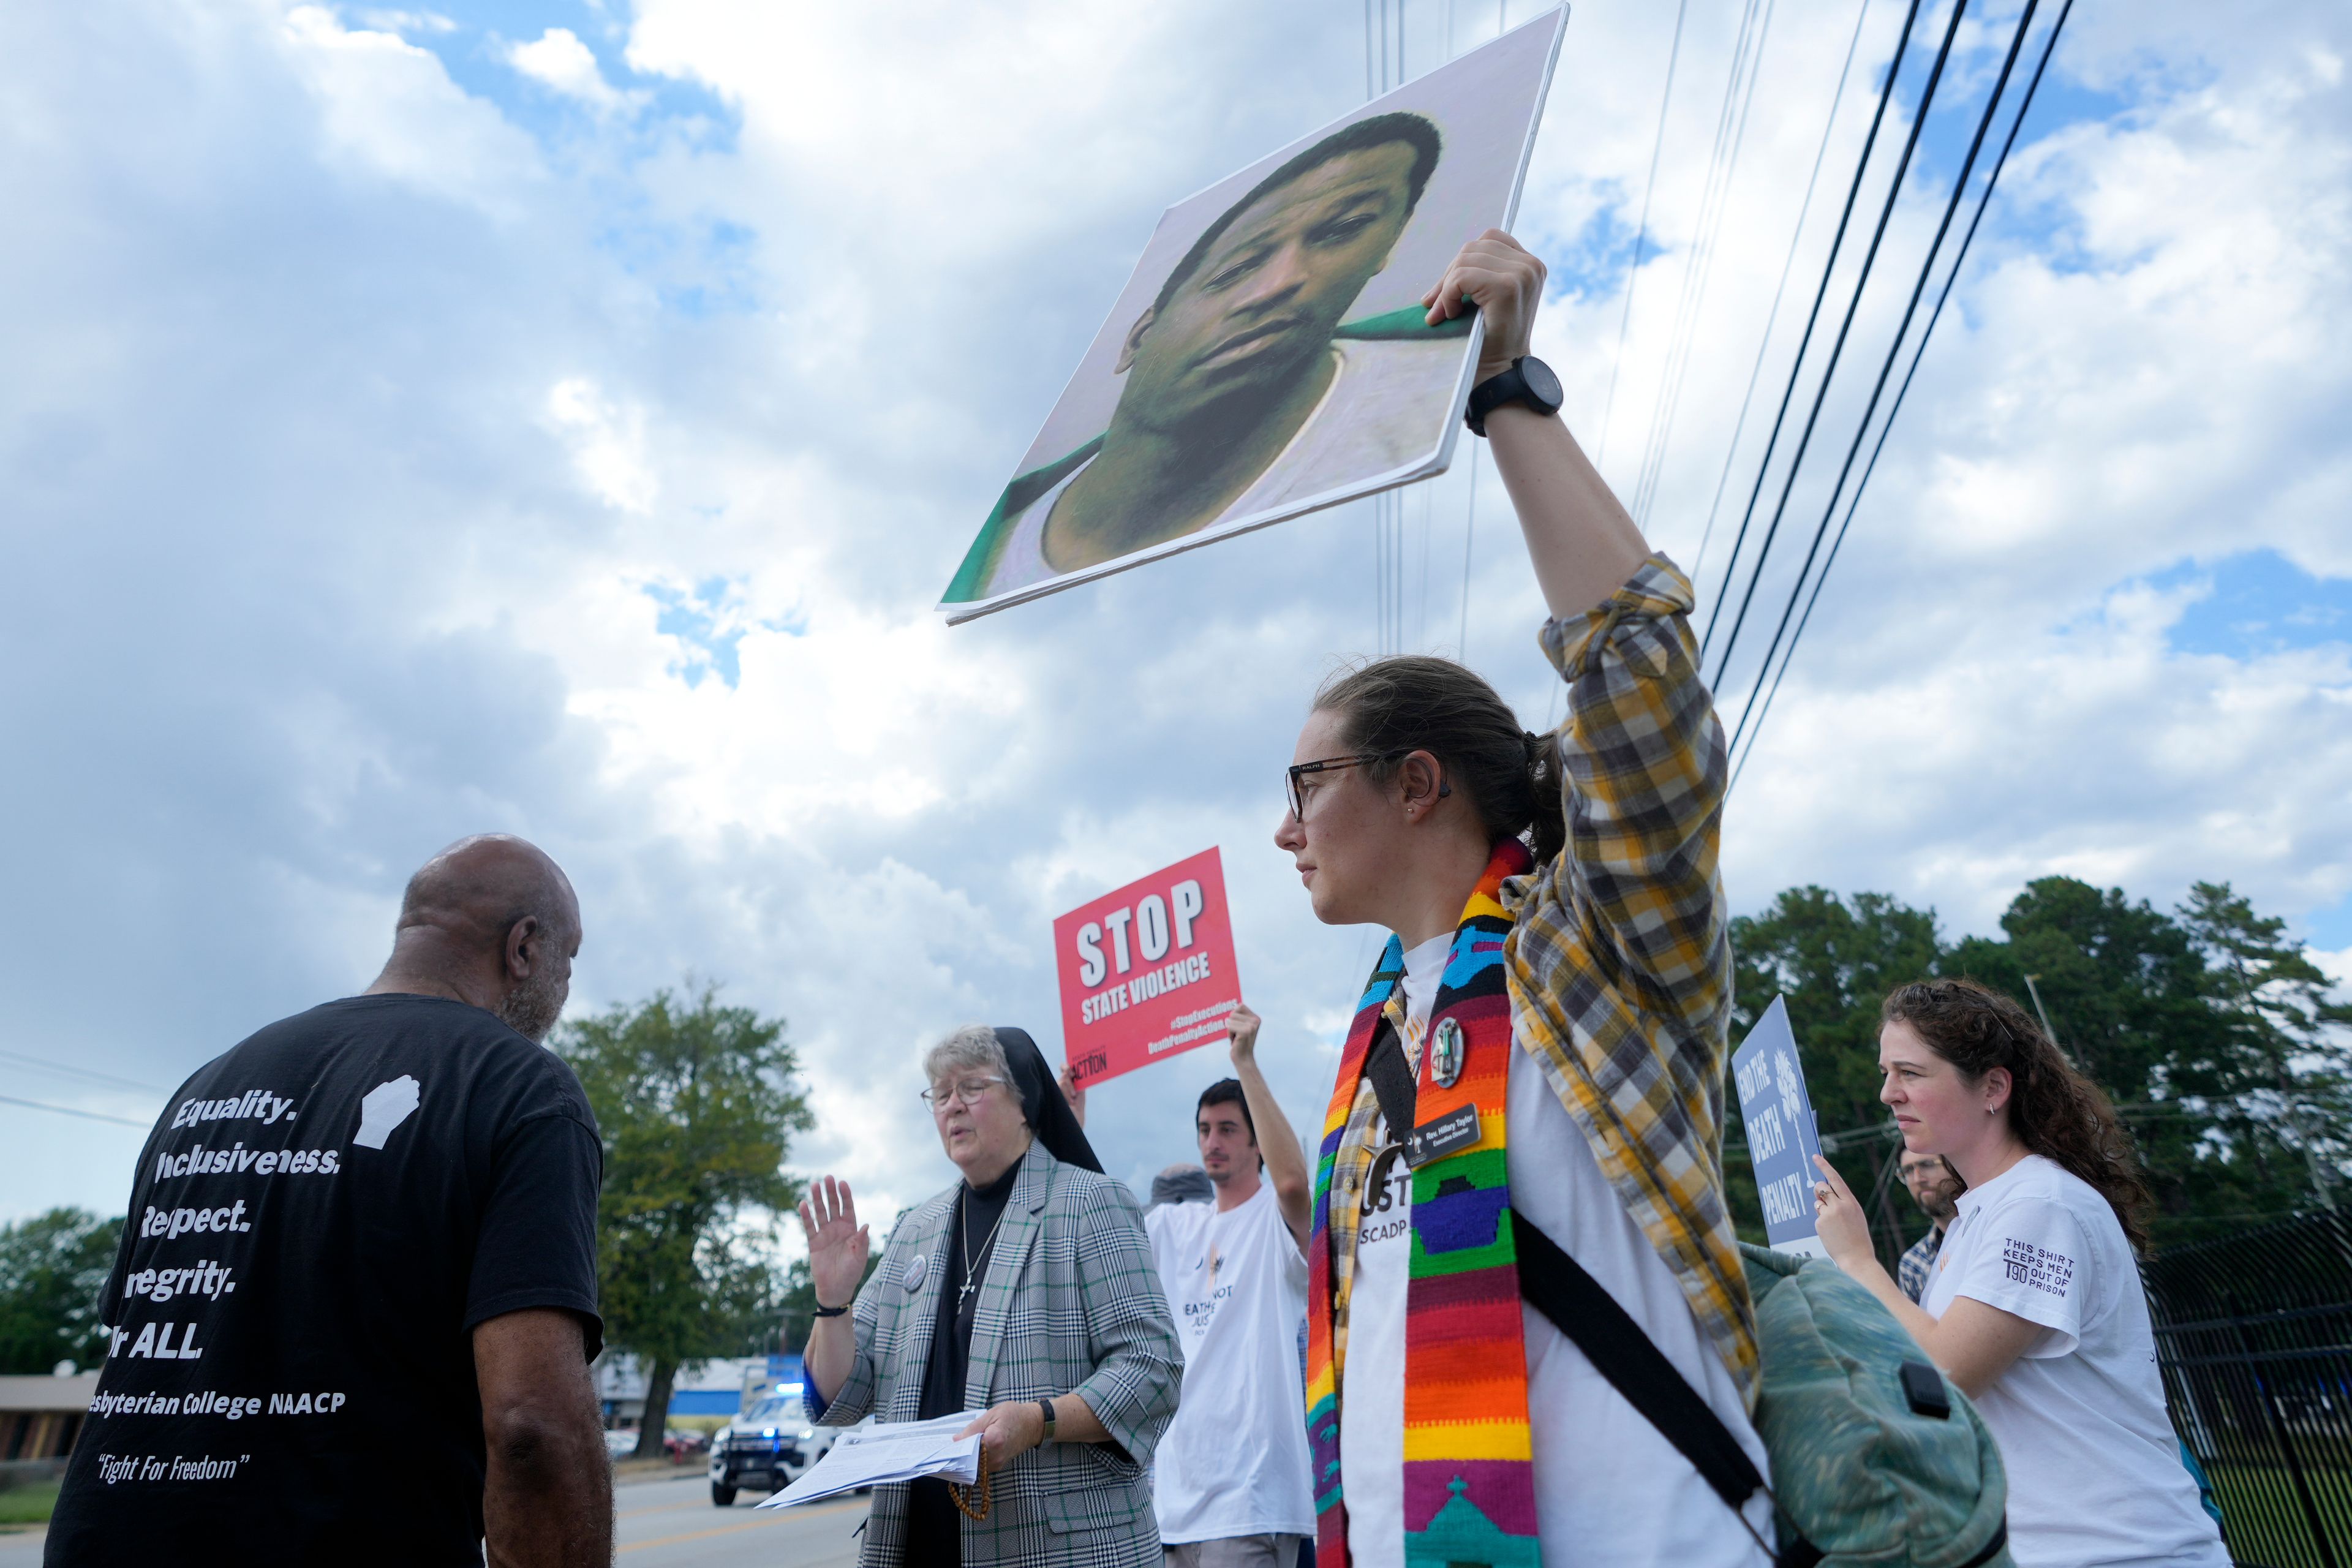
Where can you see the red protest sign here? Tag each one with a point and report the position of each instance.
(1147, 971)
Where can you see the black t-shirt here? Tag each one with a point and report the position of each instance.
(318, 1220)
(933, 1532)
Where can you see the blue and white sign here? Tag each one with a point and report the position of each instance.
(1782, 1137)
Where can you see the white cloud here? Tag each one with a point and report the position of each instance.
(557, 60)
(388, 107)
(355, 433)
(607, 442)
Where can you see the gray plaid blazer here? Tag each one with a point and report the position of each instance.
(1071, 1304)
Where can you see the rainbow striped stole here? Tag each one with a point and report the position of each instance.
(1469, 1481)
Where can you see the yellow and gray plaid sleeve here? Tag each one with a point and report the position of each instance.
(1621, 959)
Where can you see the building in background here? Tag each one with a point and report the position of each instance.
(721, 1387)
(41, 1417)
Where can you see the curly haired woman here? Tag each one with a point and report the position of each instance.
(2034, 1305)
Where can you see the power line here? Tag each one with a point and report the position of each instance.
(70, 1110)
(44, 1065)
(1845, 327)
(1469, 531)
(1772, 313)
(1960, 257)
(1894, 352)
(1837, 241)
(1715, 194)
(1642, 229)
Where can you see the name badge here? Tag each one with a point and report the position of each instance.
(1454, 1131)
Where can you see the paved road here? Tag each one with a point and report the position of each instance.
(671, 1524)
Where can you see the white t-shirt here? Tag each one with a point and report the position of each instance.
(1235, 1460)
(1609, 1490)
(2094, 1470)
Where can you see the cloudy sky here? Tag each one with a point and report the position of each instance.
(559, 417)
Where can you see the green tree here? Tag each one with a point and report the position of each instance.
(698, 1104)
(796, 1308)
(2283, 1090)
(1833, 959)
(52, 1268)
(2217, 1039)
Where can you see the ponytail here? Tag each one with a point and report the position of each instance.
(1416, 704)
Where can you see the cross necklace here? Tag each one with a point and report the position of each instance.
(970, 1259)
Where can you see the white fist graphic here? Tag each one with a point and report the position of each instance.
(387, 1105)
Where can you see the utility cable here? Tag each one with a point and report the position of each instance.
(44, 1065)
(1796, 366)
(1960, 257)
(70, 1110)
(1772, 314)
(1894, 352)
(1845, 329)
(1642, 229)
(1469, 532)
(1715, 195)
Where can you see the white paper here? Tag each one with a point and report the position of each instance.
(891, 1451)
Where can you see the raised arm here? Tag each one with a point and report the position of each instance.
(838, 1363)
(1582, 542)
(1285, 1161)
(1641, 748)
(1974, 1341)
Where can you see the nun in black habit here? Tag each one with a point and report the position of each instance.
(1024, 1295)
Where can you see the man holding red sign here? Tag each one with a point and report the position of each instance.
(1231, 1482)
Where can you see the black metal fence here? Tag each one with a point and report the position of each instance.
(2254, 1335)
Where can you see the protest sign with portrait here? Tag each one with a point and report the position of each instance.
(1270, 354)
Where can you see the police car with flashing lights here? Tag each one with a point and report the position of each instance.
(766, 1448)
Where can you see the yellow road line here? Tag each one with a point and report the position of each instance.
(776, 1518)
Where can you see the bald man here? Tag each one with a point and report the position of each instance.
(352, 1314)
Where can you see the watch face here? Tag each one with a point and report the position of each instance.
(1540, 382)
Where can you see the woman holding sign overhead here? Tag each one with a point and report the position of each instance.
(1536, 1069)
(2033, 1305)
(1025, 1293)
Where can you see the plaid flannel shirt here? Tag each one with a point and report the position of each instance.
(1620, 964)
(1911, 1268)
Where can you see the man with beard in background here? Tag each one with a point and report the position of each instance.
(1243, 392)
(1936, 1188)
(352, 1314)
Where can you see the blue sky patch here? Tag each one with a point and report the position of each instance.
(708, 628)
(2259, 603)
(2330, 930)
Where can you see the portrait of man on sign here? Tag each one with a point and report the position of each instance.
(1268, 357)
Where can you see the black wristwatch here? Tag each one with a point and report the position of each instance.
(1528, 381)
(1048, 1406)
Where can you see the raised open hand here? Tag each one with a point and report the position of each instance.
(838, 1246)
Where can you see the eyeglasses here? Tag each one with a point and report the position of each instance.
(964, 1091)
(1326, 765)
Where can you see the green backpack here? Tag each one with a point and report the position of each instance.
(1861, 1472)
(1876, 1458)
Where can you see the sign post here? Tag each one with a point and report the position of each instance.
(1781, 1136)
(1148, 970)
